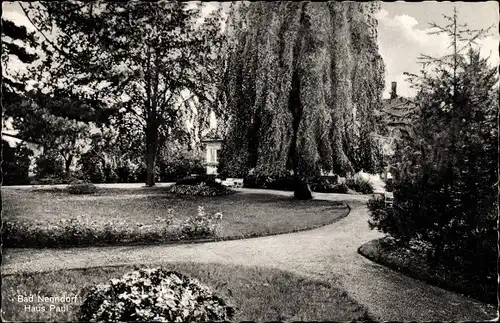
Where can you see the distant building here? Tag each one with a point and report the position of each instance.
(212, 144)
(396, 115)
(13, 140)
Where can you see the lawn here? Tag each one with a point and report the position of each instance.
(244, 214)
(259, 294)
(415, 264)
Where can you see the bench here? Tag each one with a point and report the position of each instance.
(233, 182)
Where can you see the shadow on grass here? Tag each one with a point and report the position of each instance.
(415, 265)
(258, 294)
(33, 220)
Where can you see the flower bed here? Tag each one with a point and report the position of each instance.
(257, 294)
(153, 295)
(81, 232)
(201, 189)
(79, 188)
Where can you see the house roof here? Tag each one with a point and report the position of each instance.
(397, 111)
(213, 135)
(14, 134)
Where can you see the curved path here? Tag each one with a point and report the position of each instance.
(328, 253)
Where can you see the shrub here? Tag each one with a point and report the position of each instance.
(81, 231)
(125, 173)
(323, 184)
(81, 187)
(302, 191)
(50, 164)
(445, 168)
(49, 180)
(153, 295)
(91, 166)
(180, 166)
(208, 188)
(111, 175)
(360, 185)
(15, 164)
(381, 216)
(328, 184)
(282, 183)
(196, 180)
(140, 173)
(201, 225)
(389, 185)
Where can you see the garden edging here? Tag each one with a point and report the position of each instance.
(201, 240)
(377, 256)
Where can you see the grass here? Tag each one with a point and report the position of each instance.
(244, 215)
(259, 294)
(414, 264)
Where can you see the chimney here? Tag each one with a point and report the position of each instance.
(394, 93)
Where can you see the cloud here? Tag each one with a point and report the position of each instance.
(489, 48)
(14, 14)
(401, 42)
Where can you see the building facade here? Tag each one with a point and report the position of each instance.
(212, 145)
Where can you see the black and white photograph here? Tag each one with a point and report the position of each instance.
(249, 161)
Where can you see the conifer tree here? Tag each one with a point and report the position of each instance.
(446, 171)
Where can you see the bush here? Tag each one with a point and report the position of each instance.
(360, 185)
(179, 167)
(49, 180)
(196, 180)
(153, 295)
(50, 164)
(111, 175)
(282, 183)
(201, 225)
(328, 184)
(81, 187)
(140, 173)
(389, 185)
(91, 166)
(15, 164)
(80, 231)
(322, 184)
(381, 217)
(204, 189)
(125, 173)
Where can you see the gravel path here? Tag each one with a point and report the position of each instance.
(328, 253)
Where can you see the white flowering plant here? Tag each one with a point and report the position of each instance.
(83, 230)
(201, 225)
(153, 294)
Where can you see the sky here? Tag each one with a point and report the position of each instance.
(402, 33)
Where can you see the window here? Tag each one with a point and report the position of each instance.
(212, 155)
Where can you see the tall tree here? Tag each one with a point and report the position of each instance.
(301, 84)
(446, 176)
(141, 57)
(16, 44)
(462, 38)
(37, 120)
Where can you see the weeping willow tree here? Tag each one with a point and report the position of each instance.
(302, 81)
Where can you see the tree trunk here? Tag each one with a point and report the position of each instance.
(151, 145)
(302, 189)
(67, 165)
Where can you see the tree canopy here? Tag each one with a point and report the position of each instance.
(302, 81)
(16, 44)
(446, 169)
(141, 58)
